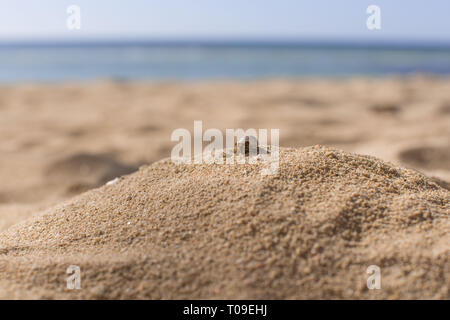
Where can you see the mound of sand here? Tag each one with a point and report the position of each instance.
(222, 231)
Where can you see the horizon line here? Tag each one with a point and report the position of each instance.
(227, 41)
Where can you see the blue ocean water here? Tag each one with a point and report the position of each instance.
(192, 61)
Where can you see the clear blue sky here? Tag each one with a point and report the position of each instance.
(414, 20)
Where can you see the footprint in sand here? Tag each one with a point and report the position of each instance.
(445, 108)
(385, 108)
(83, 171)
(427, 157)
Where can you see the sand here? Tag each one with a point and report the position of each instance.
(224, 232)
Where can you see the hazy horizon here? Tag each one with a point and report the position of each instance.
(210, 39)
(230, 41)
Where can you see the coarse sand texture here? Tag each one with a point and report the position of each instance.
(224, 231)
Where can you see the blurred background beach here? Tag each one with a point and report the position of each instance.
(80, 107)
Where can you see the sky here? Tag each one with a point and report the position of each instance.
(403, 20)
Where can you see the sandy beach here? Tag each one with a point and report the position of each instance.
(364, 180)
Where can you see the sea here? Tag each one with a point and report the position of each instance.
(191, 60)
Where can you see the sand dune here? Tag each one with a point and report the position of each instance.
(224, 231)
(60, 140)
(130, 124)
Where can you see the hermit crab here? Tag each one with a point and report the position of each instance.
(248, 145)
